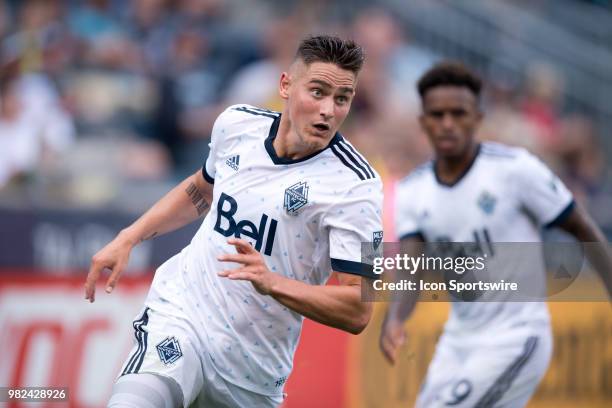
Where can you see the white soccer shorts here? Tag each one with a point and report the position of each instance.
(464, 374)
(166, 345)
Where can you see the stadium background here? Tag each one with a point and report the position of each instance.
(106, 104)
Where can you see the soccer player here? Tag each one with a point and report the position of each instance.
(491, 354)
(288, 202)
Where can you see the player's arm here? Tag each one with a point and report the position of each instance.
(583, 228)
(185, 203)
(338, 306)
(403, 303)
(549, 202)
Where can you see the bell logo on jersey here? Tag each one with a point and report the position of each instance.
(226, 208)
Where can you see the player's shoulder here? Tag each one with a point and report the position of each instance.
(354, 168)
(501, 159)
(500, 151)
(241, 113)
(513, 158)
(419, 174)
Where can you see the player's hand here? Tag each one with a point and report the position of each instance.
(253, 267)
(113, 256)
(392, 337)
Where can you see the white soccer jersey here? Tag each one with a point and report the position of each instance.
(506, 195)
(306, 217)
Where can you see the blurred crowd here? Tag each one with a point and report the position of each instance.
(98, 97)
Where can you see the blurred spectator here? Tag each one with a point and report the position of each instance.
(103, 42)
(40, 41)
(391, 54)
(34, 128)
(542, 97)
(504, 122)
(257, 83)
(143, 80)
(584, 167)
(188, 90)
(150, 28)
(604, 3)
(92, 20)
(4, 18)
(383, 122)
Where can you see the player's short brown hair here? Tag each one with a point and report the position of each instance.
(449, 73)
(346, 54)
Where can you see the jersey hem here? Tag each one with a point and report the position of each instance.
(354, 268)
(559, 219)
(414, 234)
(207, 177)
(244, 386)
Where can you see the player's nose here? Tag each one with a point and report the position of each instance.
(448, 122)
(326, 108)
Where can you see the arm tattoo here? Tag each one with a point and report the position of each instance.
(196, 198)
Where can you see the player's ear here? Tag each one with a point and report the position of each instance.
(478, 116)
(422, 121)
(283, 86)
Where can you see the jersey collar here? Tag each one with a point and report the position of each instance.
(462, 175)
(283, 160)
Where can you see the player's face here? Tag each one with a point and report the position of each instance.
(450, 118)
(318, 98)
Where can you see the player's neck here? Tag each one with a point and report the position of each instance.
(287, 143)
(450, 169)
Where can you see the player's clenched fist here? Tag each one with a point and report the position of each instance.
(113, 256)
(253, 267)
(392, 337)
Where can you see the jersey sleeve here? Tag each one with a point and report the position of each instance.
(406, 220)
(541, 192)
(217, 137)
(353, 220)
(209, 168)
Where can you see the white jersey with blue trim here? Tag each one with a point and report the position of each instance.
(306, 217)
(505, 195)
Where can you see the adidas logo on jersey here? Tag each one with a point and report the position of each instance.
(296, 197)
(226, 208)
(169, 350)
(233, 162)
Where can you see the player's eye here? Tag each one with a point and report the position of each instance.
(341, 100)
(316, 92)
(458, 113)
